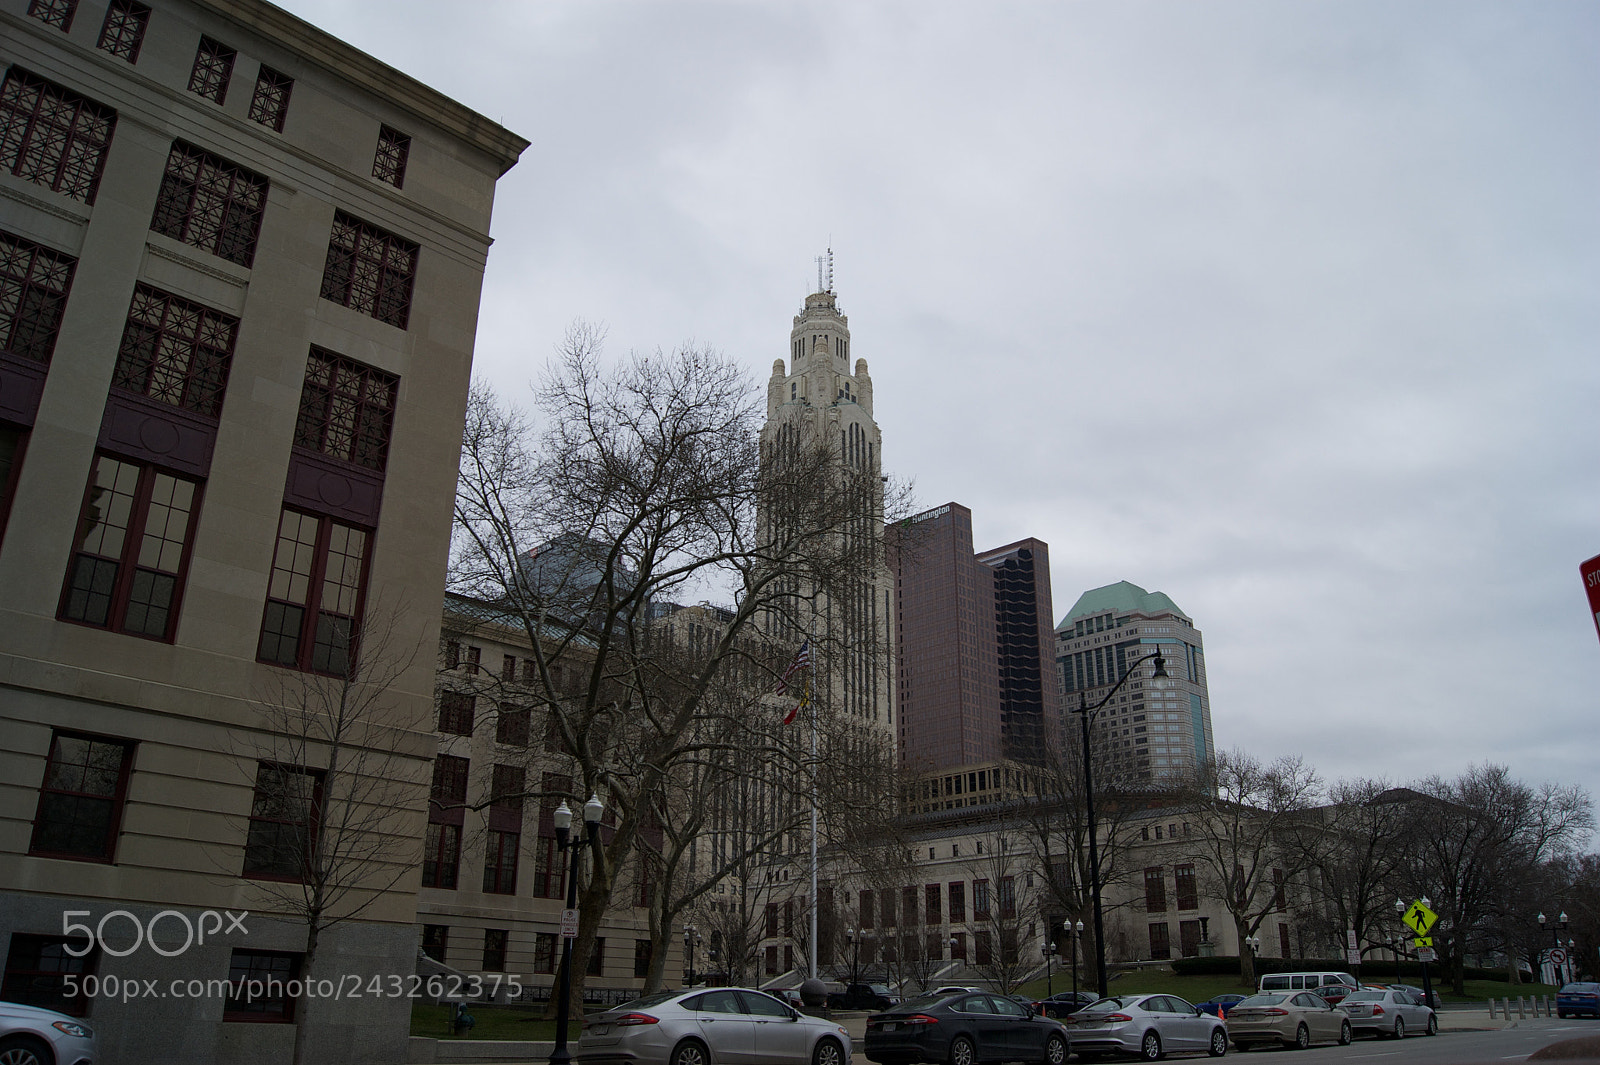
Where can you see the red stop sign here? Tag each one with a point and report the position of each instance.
(1591, 585)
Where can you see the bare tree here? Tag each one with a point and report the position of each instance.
(647, 484)
(1252, 837)
(333, 821)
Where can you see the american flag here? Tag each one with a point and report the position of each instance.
(802, 660)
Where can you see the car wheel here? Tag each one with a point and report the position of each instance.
(691, 1052)
(827, 1052)
(1055, 1050)
(1302, 1037)
(24, 1050)
(1399, 1028)
(1150, 1049)
(1562, 1014)
(962, 1052)
(1433, 1024)
(1345, 1034)
(1219, 1043)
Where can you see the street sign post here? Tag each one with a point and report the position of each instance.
(1590, 572)
(569, 924)
(1419, 918)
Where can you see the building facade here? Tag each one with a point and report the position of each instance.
(240, 264)
(1147, 734)
(976, 677)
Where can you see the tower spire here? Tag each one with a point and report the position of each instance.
(825, 272)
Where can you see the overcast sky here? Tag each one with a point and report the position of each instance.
(1287, 310)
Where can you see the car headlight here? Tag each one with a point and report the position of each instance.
(73, 1029)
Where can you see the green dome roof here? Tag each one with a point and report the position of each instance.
(1119, 598)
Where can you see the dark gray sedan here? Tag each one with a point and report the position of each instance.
(964, 1029)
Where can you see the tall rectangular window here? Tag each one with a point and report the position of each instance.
(175, 351)
(369, 270)
(213, 66)
(494, 949)
(983, 949)
(449, 781)
(314, 597)
(209, 203)
(908, 906)
(57, 13)
(500, 863)
(544, 952)
(1187, 890)
(258, 986)
(505, 791)
(958, 946)
(456, 711)
(886, 905)
(122, 33)
(131, 550)
(643, 951)
(389, 162)
(1155, 891)
(81, 798)
(346, 410)
(37, 968)
(1008, 897)
(1160, 942)
(931, 908)
(34, 281)
(269, 105)
(597, 960)
(53, 137)
(864, 908)
(980, 900)
(435, 941)
(282, 822)
(1279, 901)
(1189, 938)
(511, 726)
(958, 902)
(441, 856)
(1283, 941)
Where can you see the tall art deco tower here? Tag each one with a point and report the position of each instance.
(820, 396)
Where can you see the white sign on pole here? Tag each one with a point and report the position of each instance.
(1353, 957)
(1426, 954)
(569, 924)
(1350, 939)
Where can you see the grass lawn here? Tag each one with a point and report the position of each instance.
(494, 1022)
(1203, 988)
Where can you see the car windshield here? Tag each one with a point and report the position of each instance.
(1365, 996)
(1262, 1000)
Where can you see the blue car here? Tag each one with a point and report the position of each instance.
(1219, 1005)
(1580, 999)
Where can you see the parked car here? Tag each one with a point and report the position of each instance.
(1275, 982)
(863, 997)
(722, 1025)
(789, 995)
(964, 1029)
(1220, 1005)
(33, 1035)
(1147, 1025)
(1390, 1011)
(1064, 1002)
(1418, 994)
(1294, 1019)
(1578, 999)
(956, 989)
(1333, 994)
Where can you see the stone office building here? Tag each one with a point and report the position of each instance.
(240, 265)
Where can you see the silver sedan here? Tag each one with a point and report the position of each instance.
(1389, 1012)
(1147, 1025)
(720, 1026)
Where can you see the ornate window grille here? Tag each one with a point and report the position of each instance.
(52, 136)
(346, 410)
(33, 294)
(210, 203)
(54, 12)
(176, 351)
(389, 164)
(122, 33)
(213, 66)
(369, 270)
(270, 103)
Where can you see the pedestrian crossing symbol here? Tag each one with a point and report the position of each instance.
(1419, 918)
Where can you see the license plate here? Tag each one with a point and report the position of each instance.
(600, 1029)
(890, 1026)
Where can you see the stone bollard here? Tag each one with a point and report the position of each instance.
(1522, 1010)
(1491, 1009)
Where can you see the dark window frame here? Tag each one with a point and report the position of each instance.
(500, 853)
(68, 156)
(36, 281)
(269, 102)
(117, 799)
(389, 160)
(273, 969)
(316, 649)
(302, 831)
(122, 32)
(495, 941)
(441, 856)
(212, 70)
(86, 583)
(370, 270)
(28, 980)
(347, 410)
(58, 13)
(457, 712)
(176, 351)
(210, 203)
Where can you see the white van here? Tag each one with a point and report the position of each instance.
(1304, 981)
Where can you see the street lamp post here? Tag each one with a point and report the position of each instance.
(1086, 715)
(566, 841)
(1555, 928)
(1049, 952)
(690, 938)
(853, 939)
(1253, 945)
(1399, 940)
(1077, 931)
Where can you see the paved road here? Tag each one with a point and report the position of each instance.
(1452, 1046)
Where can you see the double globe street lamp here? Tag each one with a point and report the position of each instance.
(1086, 715)
(565, 841)
(1555, 928)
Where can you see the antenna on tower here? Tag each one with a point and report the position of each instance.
(825, 272)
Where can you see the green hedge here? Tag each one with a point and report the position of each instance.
(1376, 971)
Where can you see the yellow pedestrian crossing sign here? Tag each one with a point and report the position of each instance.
(1419, 918)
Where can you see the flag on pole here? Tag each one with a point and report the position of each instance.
(805, 700)
(802, 660)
